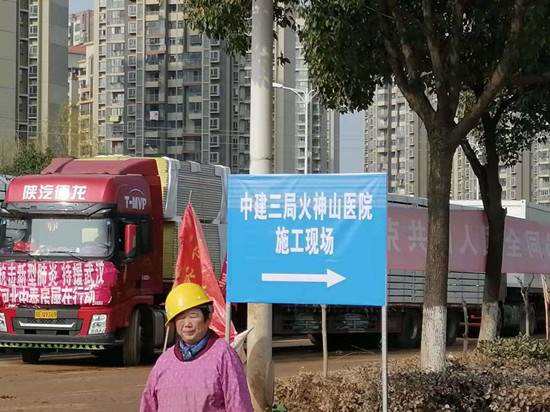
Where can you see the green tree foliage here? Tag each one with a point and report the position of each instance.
(229, 20)
(28, 160)
(433, 51)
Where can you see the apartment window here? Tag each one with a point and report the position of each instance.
(33, 90)
(33, 50)
(214, 107)
(33, 71)
(102, 34)
(132, 59)
(214, 56)
(33, 31)
(214, 157)
(132, 27)
(214, 73)
(214, 124)
(132, 77)
(195, 107)
(181, 24)
(132, 10)
(214, 140)
(214, 42)
(33, 10)
(214, 90)
(131, 109)
(131, 93)
(132, 43)
(195, 40)
(131, 127)
(33, 110)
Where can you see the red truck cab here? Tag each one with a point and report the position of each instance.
(81, 249)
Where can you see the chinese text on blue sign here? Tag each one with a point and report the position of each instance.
(307, 239)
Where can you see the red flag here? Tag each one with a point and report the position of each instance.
(223, 277)
(194, 265)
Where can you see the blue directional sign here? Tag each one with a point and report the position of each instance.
(307, 239)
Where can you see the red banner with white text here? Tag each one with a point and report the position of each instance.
(56, 283)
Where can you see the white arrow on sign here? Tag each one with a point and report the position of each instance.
(330, 278)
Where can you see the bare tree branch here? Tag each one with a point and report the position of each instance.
(472, 157)
(435, 54)
(413, 93)
(529, 80)
(406, 47)
(503, 106)
(455, 66)
(500, 74)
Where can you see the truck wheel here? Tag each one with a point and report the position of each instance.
(411, 329)
(453, 326)
(147, 336)
(131, 347)
(31, 356)
(532, 320)
(316, 340)
(333, 341)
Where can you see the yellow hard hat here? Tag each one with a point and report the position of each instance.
(183, 297)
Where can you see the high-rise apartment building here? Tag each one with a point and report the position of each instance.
(162, 88)
(391, 126)
(87, 129)
(33, 63)
(396, 140)
(81, 28)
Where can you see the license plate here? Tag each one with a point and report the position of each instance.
(45, 314)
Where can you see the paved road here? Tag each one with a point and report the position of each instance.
(82, 383)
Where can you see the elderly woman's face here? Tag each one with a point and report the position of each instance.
(191, 325)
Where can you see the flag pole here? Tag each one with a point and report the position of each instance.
(227, 321)
(166, 338)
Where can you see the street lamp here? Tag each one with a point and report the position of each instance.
(306, 96)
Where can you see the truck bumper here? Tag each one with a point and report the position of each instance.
(94, 342)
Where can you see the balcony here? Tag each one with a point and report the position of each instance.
(115, 4)
(192, 58)
(152, 98)
(24, 31)
(155, 48)
(155, 31)
(115, 37)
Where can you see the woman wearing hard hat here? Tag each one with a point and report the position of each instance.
(200, 372)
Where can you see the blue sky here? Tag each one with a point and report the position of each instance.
(79, 5)
(351, 142)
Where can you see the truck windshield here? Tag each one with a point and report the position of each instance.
(80, 237)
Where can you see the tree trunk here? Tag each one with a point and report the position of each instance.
(491, 194)
(434, 320)
(496, 216)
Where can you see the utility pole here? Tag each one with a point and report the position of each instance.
(259, 366)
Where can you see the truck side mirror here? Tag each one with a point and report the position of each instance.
(130, 237)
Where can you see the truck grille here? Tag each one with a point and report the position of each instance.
(50, 327)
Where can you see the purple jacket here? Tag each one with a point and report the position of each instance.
(214, 381)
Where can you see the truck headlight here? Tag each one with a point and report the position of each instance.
(3, 325)
(98, 325)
